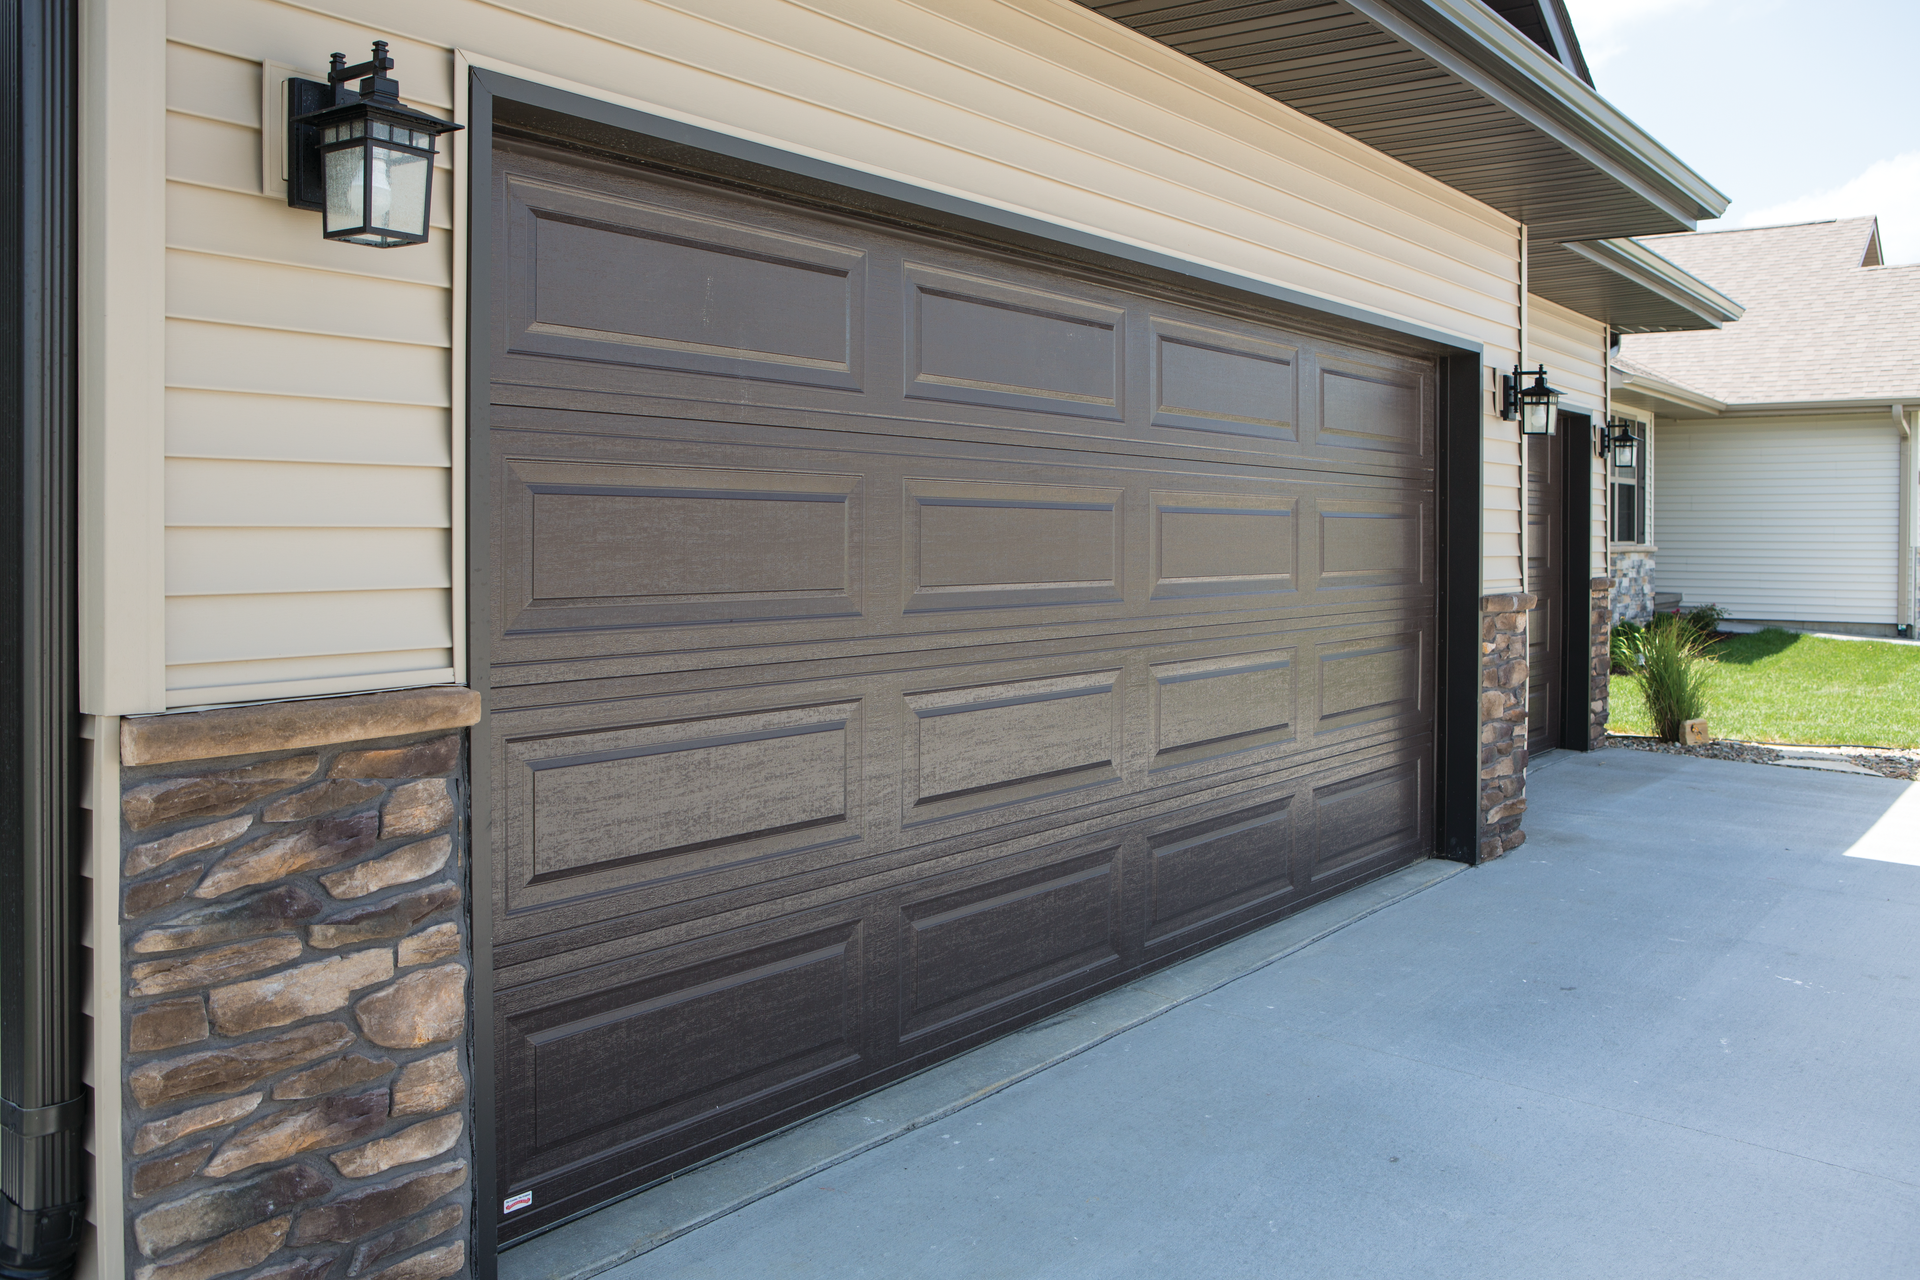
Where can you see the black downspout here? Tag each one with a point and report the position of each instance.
(42, 1101)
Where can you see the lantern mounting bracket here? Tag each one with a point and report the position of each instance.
(306, 184)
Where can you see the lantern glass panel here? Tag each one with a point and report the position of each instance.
(398, 201)
(1536, 417)
(346, 189)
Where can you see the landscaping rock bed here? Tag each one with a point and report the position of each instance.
(1746, 752)
(1903, 765)
(1890, 764)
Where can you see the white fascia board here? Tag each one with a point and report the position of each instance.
(1482, 48)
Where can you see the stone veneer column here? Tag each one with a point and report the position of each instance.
(1503, 721)
(1600, 631)
(297, 966)
(1631, 587)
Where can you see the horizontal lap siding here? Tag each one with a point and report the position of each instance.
(309, 502)
(1788, 519)
(285, 349)
(1572, 347)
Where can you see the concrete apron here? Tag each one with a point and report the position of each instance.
(1672, 1035)
(628, 1228)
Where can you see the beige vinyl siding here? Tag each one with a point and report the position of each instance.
(322, 359)
(1574, 350)
(308, 477)
(1790, 519)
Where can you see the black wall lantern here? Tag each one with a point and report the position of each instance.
(361, 159)
(1624, 440)
(1535, 405)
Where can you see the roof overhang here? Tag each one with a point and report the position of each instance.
(1627, 285)
(1643, 389)
(1657, 395)
(1455, 91)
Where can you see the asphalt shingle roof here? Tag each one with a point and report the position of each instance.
(1818, 325)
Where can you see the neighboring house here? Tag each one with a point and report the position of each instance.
(863, 523)
(1782, 477)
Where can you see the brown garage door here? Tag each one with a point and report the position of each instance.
(894, 641)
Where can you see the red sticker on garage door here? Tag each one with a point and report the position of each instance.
(516, 1203)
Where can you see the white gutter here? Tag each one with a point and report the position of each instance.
(1776, 408)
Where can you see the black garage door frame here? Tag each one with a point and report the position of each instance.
(566, 118)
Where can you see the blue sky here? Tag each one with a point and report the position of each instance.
(1797, 111)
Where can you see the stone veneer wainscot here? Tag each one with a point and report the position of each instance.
(1503, 721)
(297, 975)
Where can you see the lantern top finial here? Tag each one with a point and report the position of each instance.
(376, 84)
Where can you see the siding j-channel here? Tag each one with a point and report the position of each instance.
(297, 976)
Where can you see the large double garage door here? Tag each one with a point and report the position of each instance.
(894, 640)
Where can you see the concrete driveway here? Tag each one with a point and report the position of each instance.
(1676, 1034)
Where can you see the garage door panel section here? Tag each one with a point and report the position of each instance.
(989, 342)
(1208, 708)
(1221, 382)
(1371, 544)
(1371, 819)
(648, 806)
(975, 544)
(897, 638)
(1374, 408)
(721, 1025)
(1026, 743)
(1208, 545)
(632, 546)
(591, 277)
(1371, 683)
(970, 952)
(1226, 860)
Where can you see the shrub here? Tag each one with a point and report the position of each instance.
(1705, 620)
(1673, 674)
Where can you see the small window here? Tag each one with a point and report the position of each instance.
(1629, 514)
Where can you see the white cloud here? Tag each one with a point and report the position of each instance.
(1889, 189)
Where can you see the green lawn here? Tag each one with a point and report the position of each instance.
(1781, 687)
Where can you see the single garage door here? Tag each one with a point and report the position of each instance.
(895, 639)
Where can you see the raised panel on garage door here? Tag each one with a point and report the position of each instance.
(901, 644)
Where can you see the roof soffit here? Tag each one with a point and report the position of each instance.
(1627, 285)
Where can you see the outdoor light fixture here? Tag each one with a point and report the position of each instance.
(361, 159)
(1533, 405)
(1625, 443)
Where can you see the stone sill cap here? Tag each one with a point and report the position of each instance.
(1517, 602)
(289, 726)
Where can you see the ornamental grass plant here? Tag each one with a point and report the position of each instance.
(1672, 671)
